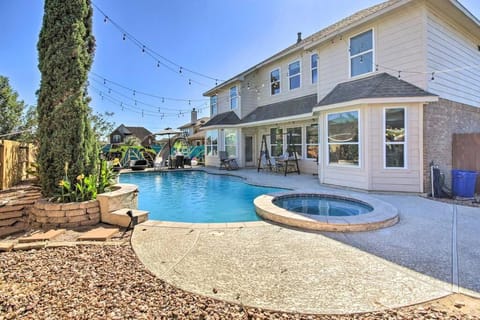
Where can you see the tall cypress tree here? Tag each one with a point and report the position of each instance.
(66, 47)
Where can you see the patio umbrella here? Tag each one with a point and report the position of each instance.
(169, 132)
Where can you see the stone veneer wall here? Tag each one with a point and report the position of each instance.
(48, 215)
(16, 205)
(441, 120)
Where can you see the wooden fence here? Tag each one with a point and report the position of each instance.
(466, 153)
(16, 160)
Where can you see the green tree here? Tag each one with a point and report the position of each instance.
(66, 46)
(11, 108)
(102, 126)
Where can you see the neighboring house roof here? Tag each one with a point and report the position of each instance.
(139, 132)
(226, 118)
(320, 36)
(197, 136)
(197, 123)
(380, 85)
(282, 109)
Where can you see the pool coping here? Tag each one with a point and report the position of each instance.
(383, 214)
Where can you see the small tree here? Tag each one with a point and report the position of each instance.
(66, 46)
(11, 108)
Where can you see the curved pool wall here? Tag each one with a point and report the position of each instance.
(382, 214)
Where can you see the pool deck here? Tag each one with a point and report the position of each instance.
(433, 251)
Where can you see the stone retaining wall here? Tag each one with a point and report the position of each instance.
(48, 215)
(15, 206)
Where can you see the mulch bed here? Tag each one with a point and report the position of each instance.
(108, 282)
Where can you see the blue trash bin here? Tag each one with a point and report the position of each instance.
(463, 183)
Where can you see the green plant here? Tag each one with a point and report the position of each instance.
(106, 177)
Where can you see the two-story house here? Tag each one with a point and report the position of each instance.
(122, 133)
(193, 130)
(367, 102)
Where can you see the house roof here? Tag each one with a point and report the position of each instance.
(381, 85)
(320, 36)
(197, 123)
(139, 132)
(282, 109)
(226, 118)
(197, 136)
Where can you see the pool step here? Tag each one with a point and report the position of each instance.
(120, 217)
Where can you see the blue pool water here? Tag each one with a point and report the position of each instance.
(322, 205)
(195, 196)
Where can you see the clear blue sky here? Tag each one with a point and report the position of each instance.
(219, 38)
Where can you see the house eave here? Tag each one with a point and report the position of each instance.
(394, 100)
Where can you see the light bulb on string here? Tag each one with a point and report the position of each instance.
(105, 19)
(143, 49)
(158, 64)
(124, 37)
(180, 70)
(433, 76)
(190, 82)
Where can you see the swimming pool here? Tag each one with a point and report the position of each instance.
(195, 196)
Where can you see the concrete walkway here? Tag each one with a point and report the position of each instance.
(431, 252)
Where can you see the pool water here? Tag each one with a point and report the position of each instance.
(322, 205)
(195, 196)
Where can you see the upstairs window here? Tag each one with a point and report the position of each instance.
(395, 138)
(314, 66)
(361, 53)
(275, 82)
(213, 105)
(233, 98)
(294, 75)
(116, 138)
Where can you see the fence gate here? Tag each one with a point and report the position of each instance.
(466, 153)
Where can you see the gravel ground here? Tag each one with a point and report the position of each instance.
(108, 282)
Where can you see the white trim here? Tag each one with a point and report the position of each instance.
(404, 142)
(299, 74)
(279, 81)
(399, 100)
(350, 56)
(312, 144)
(235, 130)
(359, 143)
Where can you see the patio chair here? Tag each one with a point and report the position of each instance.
(226, 162)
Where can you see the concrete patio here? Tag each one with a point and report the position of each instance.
(434, 250)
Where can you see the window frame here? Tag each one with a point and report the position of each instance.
(316, 144)
(301, 144)
(233, 98)
(281, 129)
(116, 138)
(213, 105)
(211, 145)
(312, 69)
(350, 57)
(359, 143)
(404, 142)
(235, 144)
(279, 81)
(299, 74)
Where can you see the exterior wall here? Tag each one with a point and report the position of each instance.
(223, 99)
(371, 173)
(442, 119)
(398, 45)
(452, 47)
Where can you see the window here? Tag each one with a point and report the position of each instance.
(294, 75)
(116, 138)
(211, 142)
(231, 142)
(395, 138)
(233, 98)
(361, 53)
(343, 141)
(294, 140)
(275, 82)
(276, 142)
(312, 141)
(314, 66)
(213, 105)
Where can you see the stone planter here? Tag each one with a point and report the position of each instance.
(48, 215)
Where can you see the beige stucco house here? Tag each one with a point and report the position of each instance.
(367, 102)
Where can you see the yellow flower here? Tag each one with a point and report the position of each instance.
(61, 183)
(80, 177)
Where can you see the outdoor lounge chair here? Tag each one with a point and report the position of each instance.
(139, 165)
(226, 162)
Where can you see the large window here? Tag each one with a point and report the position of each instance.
(233, 98)
(116, 138)
(294, 141)
(275, 82)
(395, 138)
(211, 142)
(361, 53)
(231, 142)
(312, 141)
(294, 75)
(314, 67)
(276, 142)
(343, 140)
(213, 105)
